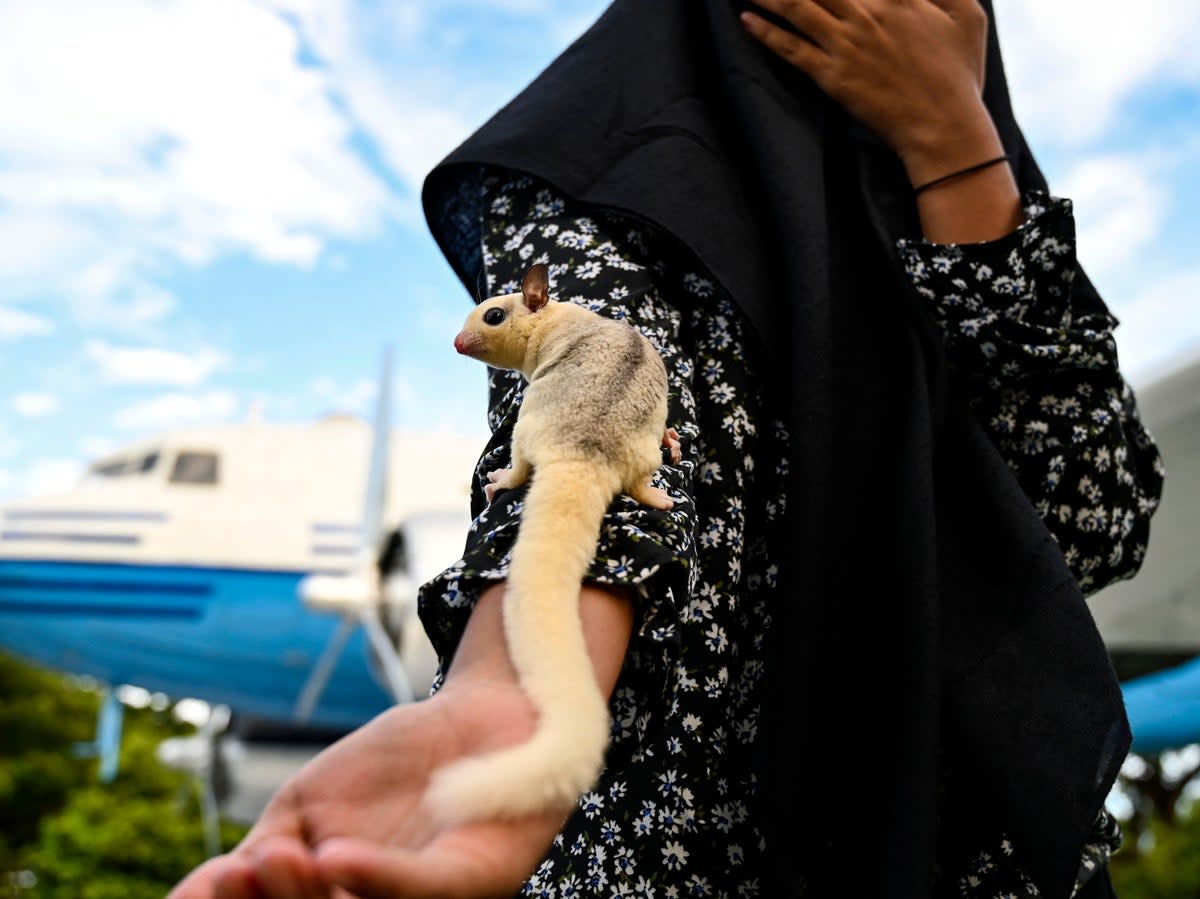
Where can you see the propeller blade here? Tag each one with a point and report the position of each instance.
(375, 495)
(358, 594)
(389, 661)
(306, 703)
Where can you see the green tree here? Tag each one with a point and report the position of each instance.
(1161, 855)
(67, 836)
(41, 719)
(1169, 867)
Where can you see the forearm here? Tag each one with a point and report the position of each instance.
(482, 657)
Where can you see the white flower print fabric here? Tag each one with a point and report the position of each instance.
(1043, 381)
(672, 813)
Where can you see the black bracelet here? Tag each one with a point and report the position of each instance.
(966, 171)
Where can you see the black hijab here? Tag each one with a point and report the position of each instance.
(935, 677)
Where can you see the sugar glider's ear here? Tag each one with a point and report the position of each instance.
(535, 289)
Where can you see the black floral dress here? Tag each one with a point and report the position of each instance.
(670, 816)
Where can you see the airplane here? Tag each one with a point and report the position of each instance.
(240, 565)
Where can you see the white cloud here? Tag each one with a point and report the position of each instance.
(35, 405)
(107, 294)
(1120, 206)
(397, 105)
(16, 324)
(1071, 64)
(355, 397)
(150, 365)
(173, 410)
(157, 133)
(34, 242)
(1159, 325)
(180, 131)
(418, 101)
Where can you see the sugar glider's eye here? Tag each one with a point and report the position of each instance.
(493, 316)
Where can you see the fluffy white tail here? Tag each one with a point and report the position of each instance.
(559, 530)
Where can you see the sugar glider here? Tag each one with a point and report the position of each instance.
(591, 426)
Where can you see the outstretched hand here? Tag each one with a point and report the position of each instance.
(910, 70)
(351, 823)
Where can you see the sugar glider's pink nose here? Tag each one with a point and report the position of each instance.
(459, 342)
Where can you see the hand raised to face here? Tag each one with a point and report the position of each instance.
(910, 70)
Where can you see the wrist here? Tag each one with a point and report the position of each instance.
(939, 151)
(482, 714)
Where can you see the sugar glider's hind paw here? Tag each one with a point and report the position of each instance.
(670, 441)
(654, 497)
(501, 479)
(490, 488)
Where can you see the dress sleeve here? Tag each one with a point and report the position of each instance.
(1042, 378)
(604, 263)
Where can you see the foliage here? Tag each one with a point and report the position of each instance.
(1169, 866)
(40, 720)
(89, 852)
(1160, 858)
(64, 834)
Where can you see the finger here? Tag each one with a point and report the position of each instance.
(840, 8)
(373, 873)
(200, 884)
(804, 55)
(285, 868)
(813, 20)
(957, 6)
(236, 881)
(370, 872)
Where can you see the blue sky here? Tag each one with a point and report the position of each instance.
(209, 205)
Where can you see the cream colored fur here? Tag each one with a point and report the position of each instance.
(591, 426)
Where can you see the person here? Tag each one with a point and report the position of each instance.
(908, 454)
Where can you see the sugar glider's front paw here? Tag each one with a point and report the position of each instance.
(670, 441)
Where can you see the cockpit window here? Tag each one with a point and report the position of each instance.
(195, 468)
(110, 468)
(122, 466)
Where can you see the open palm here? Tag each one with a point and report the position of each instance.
(351, 822)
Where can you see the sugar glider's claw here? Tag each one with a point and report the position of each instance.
(671, 442)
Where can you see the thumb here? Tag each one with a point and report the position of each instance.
(225, 875)
(371, 872)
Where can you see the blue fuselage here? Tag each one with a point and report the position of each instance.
(239, 637)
